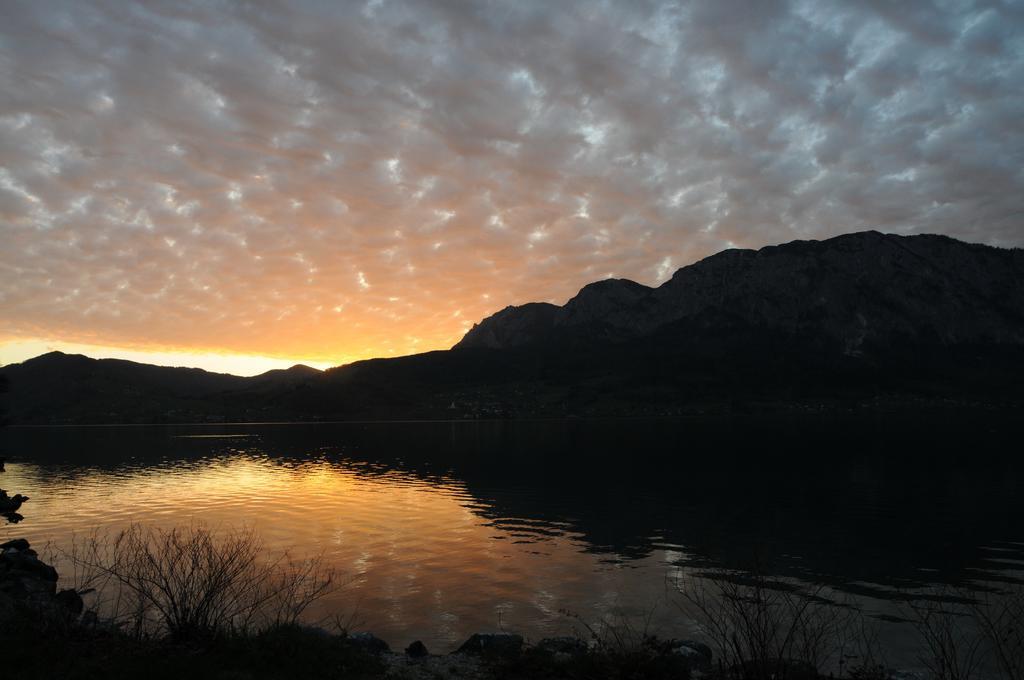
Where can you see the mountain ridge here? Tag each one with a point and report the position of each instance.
(855, 320)
(744, 279)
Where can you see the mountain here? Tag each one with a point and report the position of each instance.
(513, 326)
(293, 374)
(855, 291)
(864, 320)
(58, 387)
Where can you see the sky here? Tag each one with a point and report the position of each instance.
(242, 185)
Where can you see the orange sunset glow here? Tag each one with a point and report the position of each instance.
(242, 188)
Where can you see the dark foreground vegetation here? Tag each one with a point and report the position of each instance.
(282, 652)
(188, 602)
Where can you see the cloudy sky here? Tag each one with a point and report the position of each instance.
(244, 184)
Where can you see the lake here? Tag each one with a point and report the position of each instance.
(442, 529)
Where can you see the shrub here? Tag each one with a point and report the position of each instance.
(189, 582)
(1000, 616)
(966, 634)
(952, 647)
(763, 629)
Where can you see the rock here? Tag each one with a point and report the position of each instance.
(434, 667)
(698, 647)
(504, 645)
(791, 669)
(14, 561)
(16, 544)
(416, 650)
(10, 504)
(568, 646)
(70, 600)
(562, 650)
(315, 631)
(24, 578)
(697, 653)
(905, 675)
(7, 611)
(27, 587)
(369, 642)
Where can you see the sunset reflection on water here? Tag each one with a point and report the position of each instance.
(419, 558)
(438, 530)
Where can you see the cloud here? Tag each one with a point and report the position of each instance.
(336, 180)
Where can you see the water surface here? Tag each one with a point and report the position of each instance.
(443, 529)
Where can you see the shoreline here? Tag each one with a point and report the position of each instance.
(40, 619)
(835, 408)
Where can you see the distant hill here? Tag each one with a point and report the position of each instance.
(864, 320)
(58, 387)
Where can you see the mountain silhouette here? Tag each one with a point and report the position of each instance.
(72, 388)
(856, 291)
(864, 320)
